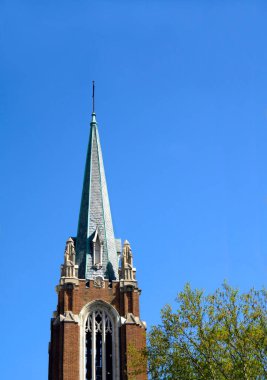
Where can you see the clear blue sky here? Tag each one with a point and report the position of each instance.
(181, 101)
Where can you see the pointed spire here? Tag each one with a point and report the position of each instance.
(95, 216)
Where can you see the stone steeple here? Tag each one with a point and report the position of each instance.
(97, 322)
(96, 247)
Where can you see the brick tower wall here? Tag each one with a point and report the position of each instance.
(64, 355)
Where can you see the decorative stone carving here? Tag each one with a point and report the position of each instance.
(127, 270)
(69, 317)
(132, 319)
(69, 269)
(99, 282)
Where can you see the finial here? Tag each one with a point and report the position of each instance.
(93, 120)
(93, 96)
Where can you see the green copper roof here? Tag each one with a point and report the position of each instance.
(95, 216)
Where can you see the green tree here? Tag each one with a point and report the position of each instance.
(219, 336)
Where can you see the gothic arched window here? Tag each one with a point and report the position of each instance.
(99, 343)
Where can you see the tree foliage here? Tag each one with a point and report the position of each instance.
(137, 361)
(218, 336)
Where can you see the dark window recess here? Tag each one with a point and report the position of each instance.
(130, 302)
(109, 356)
(97, 251)
(70, 301)
(98, 358)
(88, 354)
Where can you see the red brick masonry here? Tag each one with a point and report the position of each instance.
(64, 355)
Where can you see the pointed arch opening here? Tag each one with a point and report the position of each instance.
(97, 250)
(99, 342)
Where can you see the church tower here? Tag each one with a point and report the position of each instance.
(97, 322)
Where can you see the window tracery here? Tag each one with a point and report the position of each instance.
(99, 331)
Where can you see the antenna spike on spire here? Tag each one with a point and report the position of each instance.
(93, 96)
